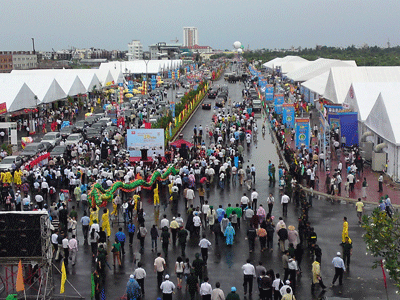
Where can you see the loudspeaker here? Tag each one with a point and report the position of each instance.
(144, 154)
(20, 235)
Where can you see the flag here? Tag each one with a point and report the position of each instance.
(170, 128)
(93, 286)
(384, 275)
(20, 279)
(63, 278)
(147, 125)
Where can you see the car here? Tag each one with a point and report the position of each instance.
(7, 163)
(206, 105)
(105, 120)
(47, 145)
(80, 125)
(93, 135)
(212, 94)
(32, 149)
(126, 105)
(53, 138)
(74, 138)
(66, 131)
(223, 95)
(219, 102)
(179, 95)
(111, 130)
(58, 151)
(257, 105)
(92, 119)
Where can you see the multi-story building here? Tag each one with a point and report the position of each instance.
(135, 50)
(17, 60)
(190, 36)
(164, 51)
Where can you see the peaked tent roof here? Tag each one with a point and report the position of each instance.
(139, 66)
(340, 79)
(16, 94)
(317, 84)
(362, 96)
(288, 63)
(384, 119)
(317, 67)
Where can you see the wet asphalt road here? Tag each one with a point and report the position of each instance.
(224, 264)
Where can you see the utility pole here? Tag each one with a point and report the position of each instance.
(33, 45)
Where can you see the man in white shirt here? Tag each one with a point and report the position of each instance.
(73, 248)
(190, 197)
(254, 197)
(249, 273)
(140, 275)
(159, 265)
(205, 208)
(196, 223)
(39, 200)
(167, 288)
(164, 222)
(284, 201)
(204, 244)
(205, 290)
(244, 201)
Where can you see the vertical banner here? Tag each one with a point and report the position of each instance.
(130, 86)
(302, 129)
(279, 99)
(172, 107)
(269, 92)
(288, 115)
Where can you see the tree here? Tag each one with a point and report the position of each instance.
(383, 241)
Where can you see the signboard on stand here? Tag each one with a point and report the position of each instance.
(150, 139)
(279, 99)
(269, 92)
(288, 115)
(302, 131)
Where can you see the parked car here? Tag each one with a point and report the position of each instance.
(93, 135)
(257, 105)
(32, 149)
(47, 146)
(220, 102)
(106, 120)
(66, 131)
(179, 95)
(7, 163)
(99, 126)
(206, 105)
(53, 138)
(80, 125)
(212, 94)
(74, 138)
(58, 151)
(111, 130)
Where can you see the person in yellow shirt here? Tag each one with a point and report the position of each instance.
(360, 209)
(17, 178)
(8, 177)
(345, 231)
(94, 215)
(156, 196)
(105, 222)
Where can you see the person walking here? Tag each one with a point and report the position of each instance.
(316, 276)
(204, 244)
(364, 188)
(345, 231)
(347, 251)
(116, 249)
(131, 232)
(192, 284)
(167, 287)
(165, 240)
(85, 220)
(121, 237)
(232, 295)
(338, 263)
(217, 293)
(142, 235)
(249, 272)
(182, 239)
(251, 237)
(179, 269)
(140, 275)
(205, 290)
(285, 201)
(73, 249)
(159, 266)
(229, 234)
(132, 288)
(174, 227)
(359, 209)
(270, 202)
(380, 183)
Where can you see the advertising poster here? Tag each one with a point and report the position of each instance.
(279, 99)
(288, 115)
(302, 130)
(151, 139)
(269, 92)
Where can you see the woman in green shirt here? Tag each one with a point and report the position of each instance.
(116, 249)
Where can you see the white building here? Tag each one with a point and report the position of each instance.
(135, 50)
(23, 60)
(190, 36)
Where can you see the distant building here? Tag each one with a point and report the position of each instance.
(200, 49)
(17, 60)
(190, 36)
(135, 50)
(164, 51)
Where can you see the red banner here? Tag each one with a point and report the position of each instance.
(3, 108)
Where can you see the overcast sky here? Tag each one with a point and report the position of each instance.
(257, 24)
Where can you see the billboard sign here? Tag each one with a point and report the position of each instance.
(302, 131)
(151, 139)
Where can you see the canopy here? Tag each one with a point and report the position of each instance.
(340, 79)
(287, 64)
(16, 94)
(317, 84)
(178, 143)
(318, 67)
(140, 66)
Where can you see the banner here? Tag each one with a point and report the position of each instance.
(279, 99)
(269, 92)
(3, 108)
(302, 130)
(288, 115)
(172, 108)
(150, 139)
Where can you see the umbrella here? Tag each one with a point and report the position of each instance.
(135, 91)
(126, 91)
(160, 81)
(129, 95)
(111, 91)
(140, 88)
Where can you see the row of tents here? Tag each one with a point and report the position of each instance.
(372, 92)
(23, 89)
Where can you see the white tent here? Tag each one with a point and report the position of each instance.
(318, 67)
(139, 66)
(287, 64)
(340, 79)
(317, 84)
(384, 121)
(16, 94)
